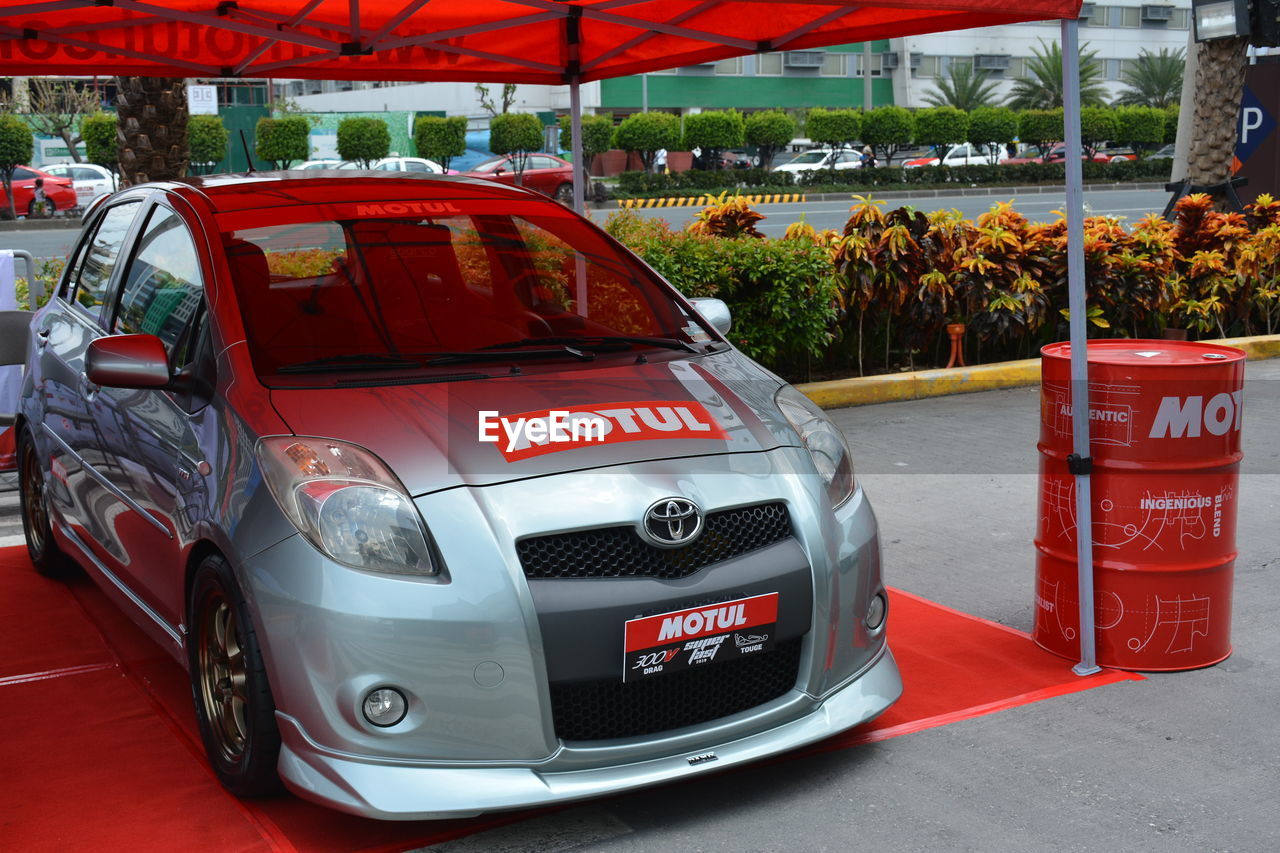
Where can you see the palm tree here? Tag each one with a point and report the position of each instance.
(151, 128)
(963, 88)
(1042, 90)
(1154, 79)
(1219, 83)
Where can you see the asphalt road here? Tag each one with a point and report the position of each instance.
(1180, 762)
(1133, 204)
(1038, 207)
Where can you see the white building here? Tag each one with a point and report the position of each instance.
(1117, 30)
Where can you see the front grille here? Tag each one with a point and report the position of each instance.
(619, 552)
(596, 710)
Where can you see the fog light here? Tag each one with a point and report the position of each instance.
(385, 706)
(875, 612)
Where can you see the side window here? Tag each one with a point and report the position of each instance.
(94, 275)
(390, 166)
(21, 174)
(415, 166)
(163, 285)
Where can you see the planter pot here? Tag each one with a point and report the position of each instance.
(956, 332)
(679, 161)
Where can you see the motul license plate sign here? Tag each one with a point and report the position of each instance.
(698, 636)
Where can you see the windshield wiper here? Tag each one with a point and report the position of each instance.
(355, 361)
(598, 342)
(490, 354)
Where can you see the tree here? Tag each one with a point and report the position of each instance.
(208, 137)
(100, 146)
(836, 128)
(151, 129)
(16, 145)
(440, 138)
(597, 136)
(888, 129)
(988, 125)
(1171, 124)
(769, 131)
(363, 140)
(281, 141)
(1141, 128)
(516, 134)
(941, 127)
(714, 132)
(1097, 125)
(1219, 84)
(964, 88)
(1042, 90)
(646, 134)
(1154, 79)
(487, 103)
(57, 108)
(1041, 128)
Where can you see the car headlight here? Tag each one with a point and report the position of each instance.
(347, 503)
(825, 443)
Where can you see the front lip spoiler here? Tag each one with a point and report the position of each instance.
(433, 792)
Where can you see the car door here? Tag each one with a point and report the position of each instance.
(148, 431)
(542, 174)
(81, 471)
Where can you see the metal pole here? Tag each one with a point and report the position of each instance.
(1081, 461)
(866, 76)
(575, 132)
(1187, 110)
(644, 93)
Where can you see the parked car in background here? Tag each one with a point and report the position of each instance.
(1165, 153)
(965, 154)
(89, 180)
(402, 164)
(318, 164)
(59, 192)
(545, 173)
(821, 158)
(1057, 154)
(446, 501)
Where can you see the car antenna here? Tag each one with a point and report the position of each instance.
(247, 155)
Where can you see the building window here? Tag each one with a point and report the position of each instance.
(732, 65)
(958, 62)
(877, 64)
(1181, 19)
(769, 64)
(834, 65)
(1017, 68)
(1125, 16)
(1112, 69)
(928, 67)
(1098, 17)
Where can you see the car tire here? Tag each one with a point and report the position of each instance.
(33, 502)
(564, 193)
(49, 209)
(237, 723)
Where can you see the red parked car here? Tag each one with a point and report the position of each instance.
(1057, 154)
(59, 192)
(542, 172)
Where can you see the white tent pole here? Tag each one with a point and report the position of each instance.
(575, 125)
(1080, 461)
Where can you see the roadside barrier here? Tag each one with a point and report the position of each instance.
(704, 200)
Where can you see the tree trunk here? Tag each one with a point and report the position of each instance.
(1219, 86)
(151, 129)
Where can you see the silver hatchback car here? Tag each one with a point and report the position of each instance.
(445, 500)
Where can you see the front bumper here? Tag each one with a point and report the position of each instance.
(478, 652)
(399, 791)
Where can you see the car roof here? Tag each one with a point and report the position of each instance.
(255, 190)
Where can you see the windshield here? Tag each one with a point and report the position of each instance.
(512, 280)
(809, 157)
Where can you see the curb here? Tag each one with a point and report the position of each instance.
(888, 195)
(694, 201)
(58, 223)
(916, 385)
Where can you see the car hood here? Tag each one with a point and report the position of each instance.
(430, 434)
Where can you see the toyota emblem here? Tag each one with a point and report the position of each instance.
(672, 522)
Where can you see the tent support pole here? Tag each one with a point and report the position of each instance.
(575, 133)
(1082, 460)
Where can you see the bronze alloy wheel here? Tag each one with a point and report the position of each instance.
(34, 506)
(234, 707)
(222, 675)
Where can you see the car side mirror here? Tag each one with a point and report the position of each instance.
(128, 361)
(715, 312)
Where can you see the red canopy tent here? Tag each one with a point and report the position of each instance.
(529, 41)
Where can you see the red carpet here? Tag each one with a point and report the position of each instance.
(100, 752)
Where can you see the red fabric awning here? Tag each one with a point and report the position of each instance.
(519, 41)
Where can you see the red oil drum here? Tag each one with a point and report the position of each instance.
(1164, 423)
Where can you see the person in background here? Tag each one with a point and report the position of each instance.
(868, 157)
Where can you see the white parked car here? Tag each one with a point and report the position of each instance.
(822, 158)
(318, 164)
(89, 180)
(966, 154)
(399, 164)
